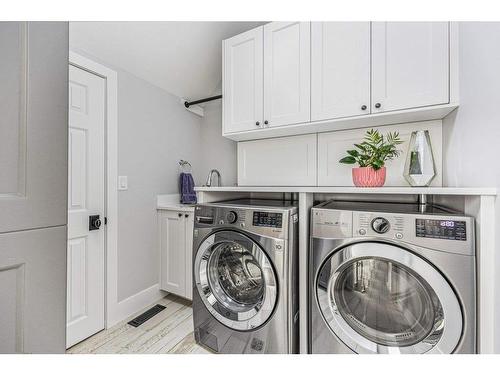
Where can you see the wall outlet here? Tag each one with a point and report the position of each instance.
(122, 182)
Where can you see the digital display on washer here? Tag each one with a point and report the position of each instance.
(443, 229)
(267, 219)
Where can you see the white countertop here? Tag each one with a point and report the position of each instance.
(354, 190)
(171, 202)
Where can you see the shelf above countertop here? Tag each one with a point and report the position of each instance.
(403, 190)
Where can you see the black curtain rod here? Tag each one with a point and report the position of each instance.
(187, 104)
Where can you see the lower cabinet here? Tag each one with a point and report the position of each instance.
(176, 249)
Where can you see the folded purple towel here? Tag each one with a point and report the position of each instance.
(188, 195)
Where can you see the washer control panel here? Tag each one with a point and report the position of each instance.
(267, 219)
(379, 224)
(443, 229)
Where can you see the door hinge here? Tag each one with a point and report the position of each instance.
(105, 220)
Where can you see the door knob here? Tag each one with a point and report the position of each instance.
(377, 105)
(94, 222)
(363, 107)
(257, 123)
(179, 214)
(186, 215)
(266, 122)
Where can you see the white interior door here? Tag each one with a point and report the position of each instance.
(340, 69)
(85, 291)
(287, 73)
(410, 65)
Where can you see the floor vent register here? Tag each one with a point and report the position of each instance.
(144, 317)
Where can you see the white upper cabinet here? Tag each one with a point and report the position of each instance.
(410, 65)
(287, 161)
(287, 73)
(243, 81)
(291, 78)
(340, 69)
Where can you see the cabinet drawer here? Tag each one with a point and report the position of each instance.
(289, 161)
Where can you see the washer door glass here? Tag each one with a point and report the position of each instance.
(386, 302)
(380, 298)
(236, 275)
(235, 280)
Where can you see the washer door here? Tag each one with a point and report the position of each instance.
(235, 280)
(380, 298)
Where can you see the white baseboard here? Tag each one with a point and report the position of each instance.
(133, 304)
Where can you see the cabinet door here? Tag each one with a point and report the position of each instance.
(33, 291)
(287, 73)
(340, 69)
(189, 222)
(287, 161)
(242, 81)
(33, 124)
(410, 65)
(173, 254)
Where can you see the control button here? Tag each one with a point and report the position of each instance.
(399, 235)
(221, 222)
(362, 231)
(242, 225)
(380, 225)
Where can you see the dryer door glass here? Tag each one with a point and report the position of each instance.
(235, 280)
(381, 298)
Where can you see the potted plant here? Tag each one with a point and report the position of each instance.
(371, 156)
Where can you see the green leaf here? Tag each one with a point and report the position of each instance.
(353, 153)
(348, 160)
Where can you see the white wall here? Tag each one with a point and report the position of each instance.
(218, 152)
(471, 134)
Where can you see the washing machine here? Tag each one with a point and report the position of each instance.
(245, 289)
(391, 278)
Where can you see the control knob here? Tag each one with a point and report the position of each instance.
(231, 217)
(380, 225)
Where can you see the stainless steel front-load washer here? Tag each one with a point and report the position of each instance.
(387, 278)
(245, 289)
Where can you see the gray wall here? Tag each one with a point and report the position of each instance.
(218, 152)
(472, 133)
(154, 132)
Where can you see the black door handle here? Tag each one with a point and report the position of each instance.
(94, 222)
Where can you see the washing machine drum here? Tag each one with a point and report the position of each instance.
(381, 298)
(235, 280)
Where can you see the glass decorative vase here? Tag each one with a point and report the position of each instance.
(419, 166)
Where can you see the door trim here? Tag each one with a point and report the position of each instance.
(112, 315)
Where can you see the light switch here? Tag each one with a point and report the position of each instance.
(122, 182)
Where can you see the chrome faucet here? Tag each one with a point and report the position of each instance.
(209, 179)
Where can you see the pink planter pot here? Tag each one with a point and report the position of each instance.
(368, 177)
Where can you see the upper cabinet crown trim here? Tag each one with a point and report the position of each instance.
(301, 77)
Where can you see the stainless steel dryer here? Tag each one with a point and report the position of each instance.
(386, 278)
(245, 276)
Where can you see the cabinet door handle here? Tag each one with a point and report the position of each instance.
(266, 122)
(257, 123)
(179, 214)
(186, 215)
(363, 107)
(378, 105)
